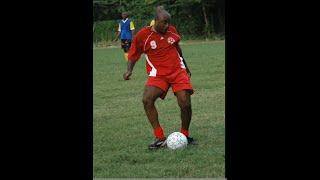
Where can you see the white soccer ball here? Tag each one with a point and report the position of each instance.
(177, 140)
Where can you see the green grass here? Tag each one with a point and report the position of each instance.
(122, 131)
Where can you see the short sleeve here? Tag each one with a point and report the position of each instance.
(131, 25)
(135, 50)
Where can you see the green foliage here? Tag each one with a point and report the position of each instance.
(105, 30)
(187, 16)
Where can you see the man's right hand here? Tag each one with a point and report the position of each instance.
(126, 76)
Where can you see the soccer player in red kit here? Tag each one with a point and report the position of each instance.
(166, 68)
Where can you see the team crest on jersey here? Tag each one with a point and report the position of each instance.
(171, 40)
(153, 44)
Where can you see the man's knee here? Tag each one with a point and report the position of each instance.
(126, 49)
(184, 103)
(147, 101)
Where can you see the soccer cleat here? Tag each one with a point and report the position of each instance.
(157, 144)
(191, 141)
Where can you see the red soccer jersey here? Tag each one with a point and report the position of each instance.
(162, 57)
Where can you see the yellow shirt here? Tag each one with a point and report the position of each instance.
(152, 22)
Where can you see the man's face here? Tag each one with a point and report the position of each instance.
(124, 16)
(161, 25)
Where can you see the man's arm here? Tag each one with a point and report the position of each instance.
(184, 61)
(126, 75)
(118, 33)
(117, 36)
(133, 55)
(132, 27)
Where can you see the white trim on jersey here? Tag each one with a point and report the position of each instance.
(182, 65)
(124, 21)
(144, 47)
(153, 71)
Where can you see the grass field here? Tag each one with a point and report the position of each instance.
(122, 131)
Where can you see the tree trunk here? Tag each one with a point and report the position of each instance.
(205, 21)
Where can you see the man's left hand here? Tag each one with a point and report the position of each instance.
(189, 72)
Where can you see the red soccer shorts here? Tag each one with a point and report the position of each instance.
(178, 80)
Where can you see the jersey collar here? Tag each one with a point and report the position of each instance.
(124, 20)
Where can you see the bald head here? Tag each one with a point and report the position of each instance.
(162, 14)
(162, 20)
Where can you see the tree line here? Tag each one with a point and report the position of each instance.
(194, 19)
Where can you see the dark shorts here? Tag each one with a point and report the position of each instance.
(125, 44)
